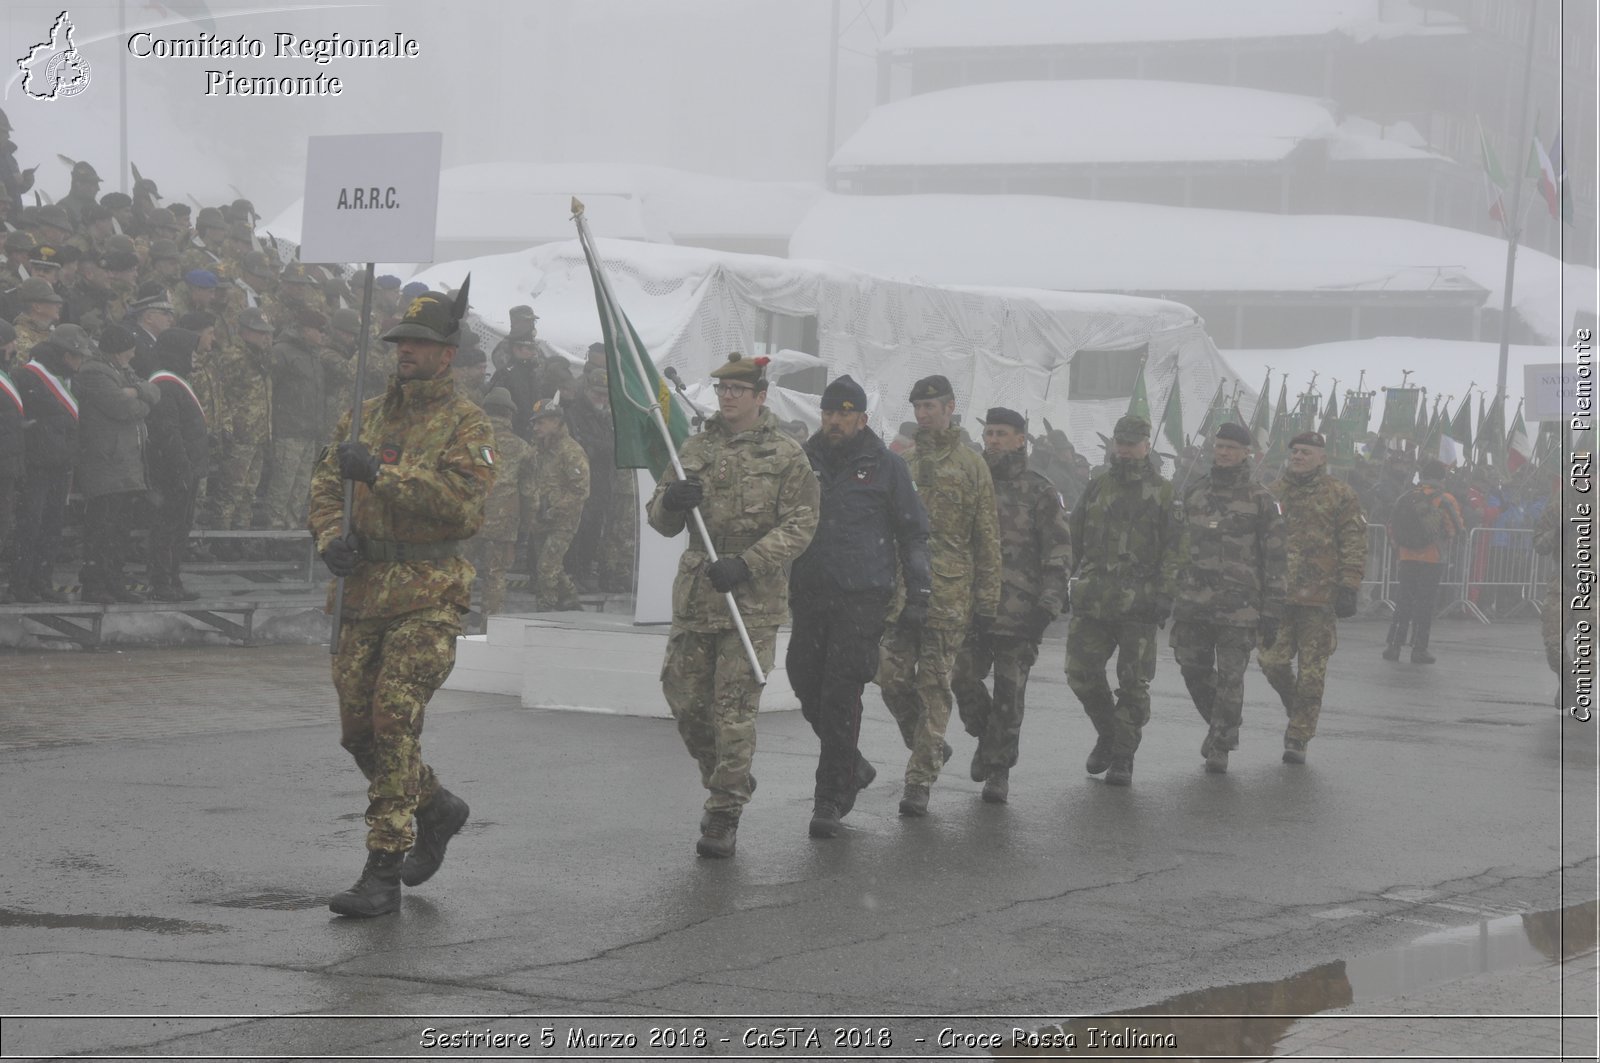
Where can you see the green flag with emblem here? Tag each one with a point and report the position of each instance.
(1172, 417)
(1139, 404)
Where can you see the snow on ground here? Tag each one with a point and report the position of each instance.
(1090, 121)
(998, 23)
(1084, 246)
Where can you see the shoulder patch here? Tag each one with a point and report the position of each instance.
(486, 456)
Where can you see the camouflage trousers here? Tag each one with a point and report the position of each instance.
(231, 487)
(289, 492)
(1119, 717)
(1213, 659)
(914, 675)
(493, 558)
(1308, 633)
(549, 546)
(384, 673)
(995, 720)
(714, 696)
(619, 544)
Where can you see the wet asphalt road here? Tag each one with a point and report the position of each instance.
(175, 820)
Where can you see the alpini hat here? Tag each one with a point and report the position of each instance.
(932, 387)
(1131, 428)
(844, 395)
(742, 370)
(432, 316)
(1234, 433)
(548, 408)
(1001, 415)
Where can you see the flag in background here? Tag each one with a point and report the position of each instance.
(1558, 165)
(1399, 413)
(1460, 429)
(1492, 433)
(1139, 404)
(1494, 179)
(1260, 417)
(1518, 447)
(1172, 417)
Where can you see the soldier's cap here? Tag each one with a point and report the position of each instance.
(20, 241)
(72, 339)
(742, 370)
(387, 282)
(166, 251)
(200, 278)
(210, 217)
(311, 317)
(844, 395)
(1309, 439)
(499, 399)
(546, 410)
(120, 242)
(46, 257)
(152, 302)
(7, 333)
(37, 290)
(257, 264)
(116, 201)
(114, 339)
(82, 171)
(1131, 428)
(253, 319)
(54, 217)
(179, 210)
(414, 289)
(433, 316)
(347, 320)
(1002, 415)
(468, 357)
(932, 387)
(119, 261)
(1235, 433)
(597, 378)
(523, 312)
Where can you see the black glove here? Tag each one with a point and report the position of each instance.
(357, 463)
(727, 572)
(1038, 620)
(1344, 603)
(1158, 611)
(342, 557)
(1267, 631)
(914, 614)
(682, 495)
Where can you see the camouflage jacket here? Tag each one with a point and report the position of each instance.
(963, 527)
(244, 393)
(438, 455)
(761, 504)
(514, 489)
(1035, 543)
(1327, 545)
(560, 482)
(1233, 572)
(1127, 545)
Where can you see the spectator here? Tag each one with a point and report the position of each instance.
(179, 453)
(52, 447)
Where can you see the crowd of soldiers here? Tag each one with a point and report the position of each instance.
(174, 371)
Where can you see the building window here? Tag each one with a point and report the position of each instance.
(785, 332)
(1105, 374)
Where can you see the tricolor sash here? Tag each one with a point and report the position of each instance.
(157, 378)
(54, 385)
(11, 390)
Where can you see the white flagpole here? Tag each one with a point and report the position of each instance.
(616, 327)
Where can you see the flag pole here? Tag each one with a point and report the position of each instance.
(355, 437)
(666, 434)
(1520, 168)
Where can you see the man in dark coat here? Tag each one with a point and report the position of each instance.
(113, 404)
(52, 447)
(179, 452)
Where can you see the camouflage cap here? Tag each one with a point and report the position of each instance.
(36, 290)
(742, 370)
(253, 319)
(1002, 415)
(932, 387)
(72, 339)
(1131, 428)
(499, 399)
(427, 317)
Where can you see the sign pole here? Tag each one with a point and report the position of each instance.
(355, 437)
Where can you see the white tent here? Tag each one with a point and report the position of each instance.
(999, 347)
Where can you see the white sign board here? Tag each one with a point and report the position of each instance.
(658, 562)
(1549, 391)
(371, 197)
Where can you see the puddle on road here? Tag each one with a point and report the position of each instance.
(1248, 1019)
(53, 921)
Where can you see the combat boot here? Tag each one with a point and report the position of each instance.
(1217, 761)
(376, 892)
(865, 773)
(825, 820)
(437, 823)
(1294, 751)
(1420, 655)
(914, 802)
(720, 835)
(1099, 757)
(980, 765)
(945, 752)
(705, 818)
(997, 786)
(1120, 773)
(1391, 652)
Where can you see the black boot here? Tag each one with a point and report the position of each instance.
(376, 892)
(719, 836)
(1391, 652)
(437, 823)
(1099, 757)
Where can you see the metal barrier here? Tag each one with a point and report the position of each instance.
(1499, 569)
(1375, 576)
(1453, 584)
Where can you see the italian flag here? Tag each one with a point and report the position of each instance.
(1494, 179)
(1519, 448)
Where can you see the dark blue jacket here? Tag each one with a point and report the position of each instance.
(870, 516)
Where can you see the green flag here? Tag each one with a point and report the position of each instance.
(1357, 412)
(1330, 417)
(1460, 429)
(1139, 405)
(1492, 433)
(1399, 413)
(642, 411)
(1172, 417)
(1261, 416)
(1420, 432)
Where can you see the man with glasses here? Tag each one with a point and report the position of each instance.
(1326, 555)
(759, 500)
(1230, 588)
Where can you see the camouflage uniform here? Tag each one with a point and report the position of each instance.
(1232, 579)
(964, 552)
(619, 542)
(1127, 548)
(1327, 550)
(495, 547)
(1035, 554)
(397, 642)
(244, 401)
(1559, 593)
(760, 504)
(561, 485)
(29, 335)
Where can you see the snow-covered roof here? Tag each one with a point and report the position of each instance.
(532, 203)
(1067, 122)
(1002, 23)
(1444, 367)
(1082, 245)
(1361, 139)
